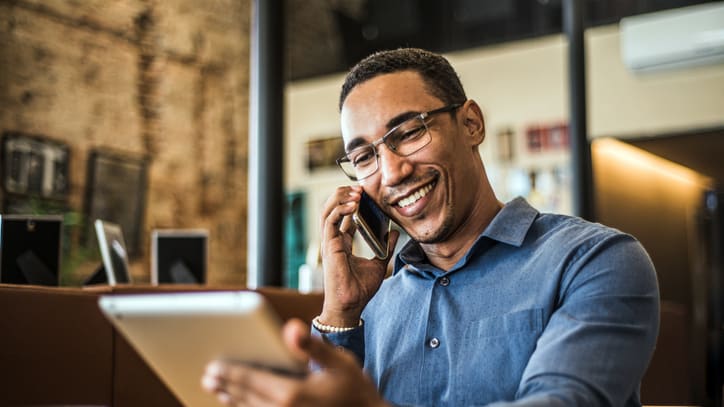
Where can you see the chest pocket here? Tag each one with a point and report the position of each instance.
(494, 353)
(519, 322)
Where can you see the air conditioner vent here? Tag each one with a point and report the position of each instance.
(674, 38)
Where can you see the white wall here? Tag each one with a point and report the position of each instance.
(515, 84)
(311, 113)
(622, 103)
(522, 83)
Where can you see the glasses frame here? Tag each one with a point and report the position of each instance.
(422, 117)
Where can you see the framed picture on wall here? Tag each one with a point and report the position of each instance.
(322, 153)
(505, 144)
(34, 166)
(116, 192)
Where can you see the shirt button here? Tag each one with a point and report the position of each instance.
(444, 281)
(434, 343)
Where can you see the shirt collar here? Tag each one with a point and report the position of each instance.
(512, 223)
(509, 226)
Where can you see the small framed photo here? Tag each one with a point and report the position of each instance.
(547, 137)
(535, 135)
(30, 249)
(116, 192)
(179, 256)
(113, 252)
(506, 144)
(34, 166)
(323, 153)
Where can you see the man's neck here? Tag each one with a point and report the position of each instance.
(445, 255)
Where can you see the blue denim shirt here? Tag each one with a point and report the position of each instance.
(543, 310)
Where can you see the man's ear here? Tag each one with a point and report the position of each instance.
(474, 122)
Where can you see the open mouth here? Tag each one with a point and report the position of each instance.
(416, 196)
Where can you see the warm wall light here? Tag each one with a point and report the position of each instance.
(618, 151)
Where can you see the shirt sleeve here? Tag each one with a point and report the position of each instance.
(597, 344)
(352, 340)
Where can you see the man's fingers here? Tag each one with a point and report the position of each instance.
(333, 223)
(294, 333)
(343, 197)
(347, 226)
(242, 382)
(258, 400)
(301, 342)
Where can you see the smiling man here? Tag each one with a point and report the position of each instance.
(489, 303)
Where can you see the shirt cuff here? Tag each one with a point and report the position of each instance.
(352, 340)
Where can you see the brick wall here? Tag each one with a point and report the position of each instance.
(163, 79)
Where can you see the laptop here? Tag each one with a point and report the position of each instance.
(177, 334)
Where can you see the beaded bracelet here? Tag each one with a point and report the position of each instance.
(332, 329)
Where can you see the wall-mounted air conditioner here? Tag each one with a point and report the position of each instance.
(674, 38)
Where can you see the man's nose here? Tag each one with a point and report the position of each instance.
(393, 167)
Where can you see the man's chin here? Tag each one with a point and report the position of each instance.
(431, 235)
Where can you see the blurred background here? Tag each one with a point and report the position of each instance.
(137, 112)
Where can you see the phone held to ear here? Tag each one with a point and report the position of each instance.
(373, 225)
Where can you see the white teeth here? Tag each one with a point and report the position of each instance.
(416, 196)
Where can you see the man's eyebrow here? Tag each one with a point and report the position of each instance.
(395, 121)
(354, 143)
(400, 118)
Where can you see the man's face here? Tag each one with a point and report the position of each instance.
(426, 193)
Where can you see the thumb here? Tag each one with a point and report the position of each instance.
(303, 345)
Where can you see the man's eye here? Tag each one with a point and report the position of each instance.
(362, 159)
(408, 134)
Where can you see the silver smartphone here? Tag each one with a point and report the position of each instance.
(373, 225)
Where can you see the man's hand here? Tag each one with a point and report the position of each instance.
(340, 382)
(349, 281)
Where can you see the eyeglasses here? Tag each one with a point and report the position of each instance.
(404, 139)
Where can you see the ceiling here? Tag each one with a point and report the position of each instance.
(329, 36)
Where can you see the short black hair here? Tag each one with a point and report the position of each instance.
(440, 78)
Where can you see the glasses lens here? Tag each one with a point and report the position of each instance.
(361, 162)
(409, 137)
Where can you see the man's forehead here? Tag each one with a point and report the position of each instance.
(384, 97)
(388, 85)
(380, 103)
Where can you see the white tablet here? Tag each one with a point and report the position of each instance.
(177, 334)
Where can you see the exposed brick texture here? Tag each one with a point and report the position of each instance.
(163, 79)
